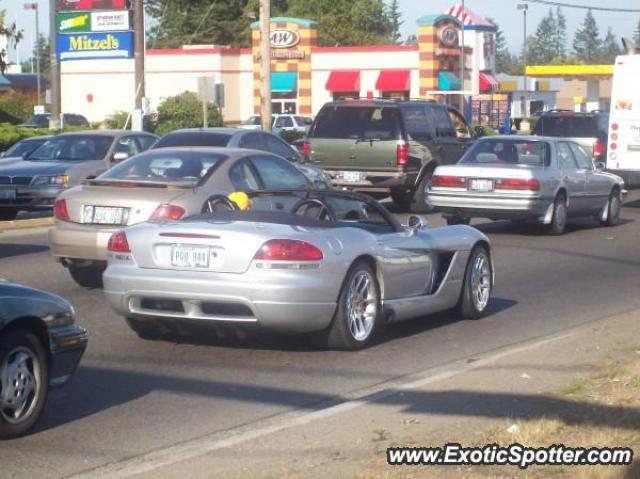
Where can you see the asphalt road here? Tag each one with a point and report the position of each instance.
(132, 396)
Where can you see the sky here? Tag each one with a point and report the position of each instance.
(503, 11)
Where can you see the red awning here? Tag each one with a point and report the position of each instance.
(394, 80)
(344, 81)
(488, 82)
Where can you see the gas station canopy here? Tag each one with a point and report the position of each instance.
(570, 71)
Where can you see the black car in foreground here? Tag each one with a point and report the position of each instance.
(40, 348)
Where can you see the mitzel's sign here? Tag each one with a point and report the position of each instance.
(284, 38)
(95, 46)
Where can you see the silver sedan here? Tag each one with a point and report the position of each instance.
(526, 178)
(334, 263)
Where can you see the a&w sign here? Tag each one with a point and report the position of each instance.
(284, 38)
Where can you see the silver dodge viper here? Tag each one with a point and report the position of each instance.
(333, 263)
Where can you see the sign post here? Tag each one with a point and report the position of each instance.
(206, 94)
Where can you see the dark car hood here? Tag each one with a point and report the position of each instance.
(13, 294)
(32, 168)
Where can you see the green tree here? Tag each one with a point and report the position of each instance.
(610, 49)
(13, 36)
(183, 22)
(41, 51)
(227, 22)
(560, 35)
(636, 34)
(503, 56)
(395, 23)
(411, 40)
(184, 111)
(541, 47)
(345, 22)
(586, 43)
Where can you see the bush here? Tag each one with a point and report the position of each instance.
(290, 135)
(486, 130)
(16, 105)
(117, 120)
(10, 134)
(184, 111)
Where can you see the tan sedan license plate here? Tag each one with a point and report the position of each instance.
(102, 215)
(479, 184)
(190, 256)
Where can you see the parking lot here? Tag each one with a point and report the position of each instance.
(130, 396)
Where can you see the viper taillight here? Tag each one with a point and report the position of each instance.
(118, 243)
(288, 250)
(60, 210)
(517, 184)
(447, 181)
(168, 212)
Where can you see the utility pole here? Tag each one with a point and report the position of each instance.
(524, 7)
(462, 65)
(139, 46)
(54, 122)
(34, 6)
(265, 64)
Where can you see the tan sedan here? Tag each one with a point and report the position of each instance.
(164, 184)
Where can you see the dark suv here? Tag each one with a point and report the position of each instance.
(589, 130)
(387, 146)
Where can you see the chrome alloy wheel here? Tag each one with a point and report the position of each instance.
(20, 382)
(480, 281)
(362, 305)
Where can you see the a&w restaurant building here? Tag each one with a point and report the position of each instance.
(304, 75)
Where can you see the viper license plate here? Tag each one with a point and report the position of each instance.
(190, 256)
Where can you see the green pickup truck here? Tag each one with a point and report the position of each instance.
(387, 146)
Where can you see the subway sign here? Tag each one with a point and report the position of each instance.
(82, 22)
(92, 46)
(66, 5)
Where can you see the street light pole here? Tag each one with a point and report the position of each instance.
(34, 6)
(524, 7)
(265, 64)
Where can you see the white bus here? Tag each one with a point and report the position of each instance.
(623, 152)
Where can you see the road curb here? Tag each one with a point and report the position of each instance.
(25, 224)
